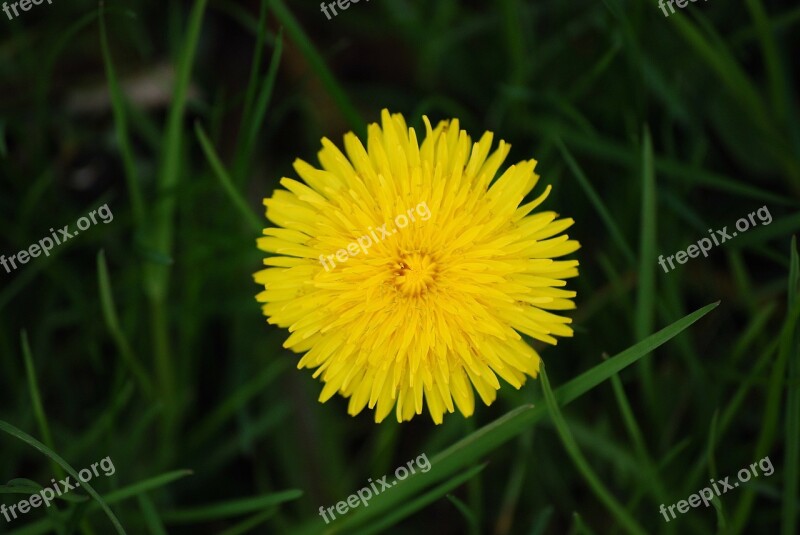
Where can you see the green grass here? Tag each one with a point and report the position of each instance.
(141, 339)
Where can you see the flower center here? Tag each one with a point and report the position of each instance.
(415, 273)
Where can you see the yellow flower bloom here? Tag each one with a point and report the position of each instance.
(433, 307)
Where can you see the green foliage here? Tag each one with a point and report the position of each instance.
(141, 340)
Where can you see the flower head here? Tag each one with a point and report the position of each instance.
(406, 273)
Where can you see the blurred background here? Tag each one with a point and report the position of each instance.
(140, 339)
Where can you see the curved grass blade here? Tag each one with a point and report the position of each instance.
(170, 166)
(646, 463)
(160, 236)
(711, 50)
(579, 527)
(248, 525)
(613, 151)
(418, 503)
(229, 509)
(36, 399)
(622, 516)
(21, 435)
(474, 446)
(103, 423)
(248, 121)
(137, 489)
(769, 421)
(542, 521)
(121, 123)
(206, 428)
(227, 184)
(264, 97)
(469, 516)
(151, 515)
(146, 486)
(775, 74)
(602, 211)
(516, 479)
(318, 65)
(255, 66)
(47, 65)
(30, 487)
(113, 326)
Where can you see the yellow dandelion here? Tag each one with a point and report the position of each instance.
(406, 274)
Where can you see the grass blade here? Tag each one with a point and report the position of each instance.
(419, 502)
(313, 57)
(769, 50)
(255, 66)
(150, 514)
(263, 99)
(645, 296)
(469, 516)
(36, 400)
(229, 509)
(679, 172)
(121, 123)
(247, 526)
(792, 455)
(30, 487)
(726, 68)
(516, 479)
(206, 428)
(21, 435)
(160, 238)
(471, 448)
(169, 172)
(602, 211)
(635, 433)
(136, 490)
(769, 421)
(580, 461)
(588, 380)
(147, 485)
(227, 184)
(114, 328)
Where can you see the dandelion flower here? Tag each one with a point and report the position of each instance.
(457, 269)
